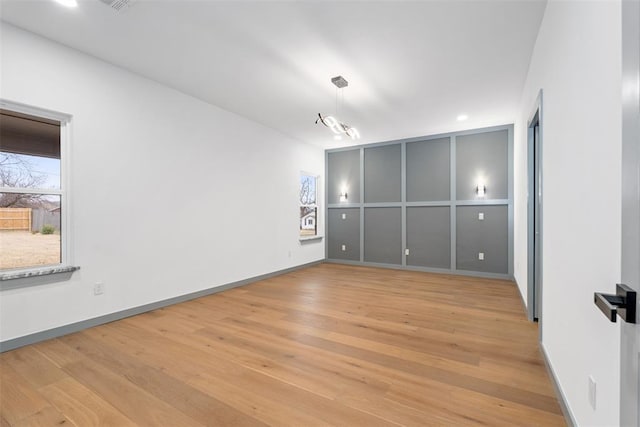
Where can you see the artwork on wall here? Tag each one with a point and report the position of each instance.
(308, 206)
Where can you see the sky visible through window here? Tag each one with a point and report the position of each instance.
(307, 189)
(47, 169)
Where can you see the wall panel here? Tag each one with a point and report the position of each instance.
(383, 235)
(382, 175)
(482, 157)
(343, 174)
(488, 236)
(428, 177)
(429, 236)
(343, 230)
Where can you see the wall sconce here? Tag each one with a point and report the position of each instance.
(343, 196)
(481, 189)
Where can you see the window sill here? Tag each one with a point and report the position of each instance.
(36, 276)
(306, 239)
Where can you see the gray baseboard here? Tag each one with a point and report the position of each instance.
(568, 416)
(449, 272)
(96, 321)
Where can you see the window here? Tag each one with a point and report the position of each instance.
(32, 191)
(308, 206)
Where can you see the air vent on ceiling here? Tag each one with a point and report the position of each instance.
(118, 5)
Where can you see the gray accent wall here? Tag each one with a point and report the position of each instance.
(343, 172)
(343, 231)
(419, 208)
(482, 157)
(383, 235)
(489, 236)
(382, 174)
(428, 170)
(429, 236)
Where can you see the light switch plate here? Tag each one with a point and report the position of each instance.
(344, 216)
(481, 216)
(406, 251)
(344, 248)
(481, 256)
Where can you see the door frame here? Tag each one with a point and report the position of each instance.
(534, 293)
(630, 230)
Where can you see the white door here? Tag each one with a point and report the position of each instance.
(630, 335)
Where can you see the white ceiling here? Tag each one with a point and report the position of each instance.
(412, 67)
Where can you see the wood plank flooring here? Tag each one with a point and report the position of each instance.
(328, 345)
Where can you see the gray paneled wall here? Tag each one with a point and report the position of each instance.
(429, 236)
(482, 157)
(382, 174)
(482, 231)
(343, 174)
(383, 235)
(343, 234)
(413, 203)
(428, 167)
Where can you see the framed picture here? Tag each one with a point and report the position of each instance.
(308, 205)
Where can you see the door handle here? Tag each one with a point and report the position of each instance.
(623, 303)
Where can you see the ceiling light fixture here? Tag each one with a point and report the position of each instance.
(68, 3)
(462, 117)
(336, 126)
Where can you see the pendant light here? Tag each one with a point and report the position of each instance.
(337, 127)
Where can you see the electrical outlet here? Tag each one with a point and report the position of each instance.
(481, 216)
(592, 392)
(481, 256)
(406, 251)
(344, 216)
(344, 248)
(98, 288)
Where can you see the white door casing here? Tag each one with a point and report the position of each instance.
(630, 267)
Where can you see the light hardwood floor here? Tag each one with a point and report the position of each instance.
(327, 345)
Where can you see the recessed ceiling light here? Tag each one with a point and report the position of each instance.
(68, 3)
(462, 117)
(337, 137)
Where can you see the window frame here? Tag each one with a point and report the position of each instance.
(315, 205)
(66, 255)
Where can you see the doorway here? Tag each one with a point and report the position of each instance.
(630, 268)
(534, 212)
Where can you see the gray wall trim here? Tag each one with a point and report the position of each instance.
(427, 204)
(14, 343)
(343, 205)
(361, 204)
(382, 205)
(403, 201)
(326, 203)
(491, 202)
(453, 212)
(535, 116)
(496, 202)
(562, 399)
(510, 183)
(479, 274)
(529, 303)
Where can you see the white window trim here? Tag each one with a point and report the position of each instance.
(316, 205)
(65, 181)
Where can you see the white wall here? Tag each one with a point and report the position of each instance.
(170, 195)
(577, 63)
